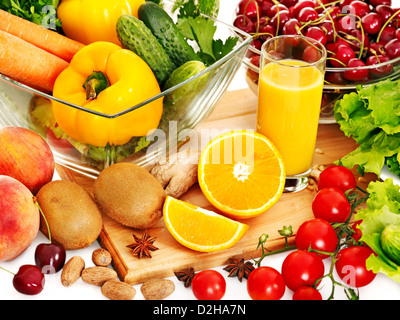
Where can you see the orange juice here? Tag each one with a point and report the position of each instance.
(289, 103)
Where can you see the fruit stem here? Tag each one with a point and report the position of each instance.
(7, 271)
(328, 13)
(386, 23)
(44, 218)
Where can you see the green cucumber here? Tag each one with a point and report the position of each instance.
(135, 36)
(177, 102)
(167, 33)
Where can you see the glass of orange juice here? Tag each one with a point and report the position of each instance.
(290, 88)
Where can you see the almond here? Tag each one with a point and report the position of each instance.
(98, 275)
(101, 257)
(157, 289)
(118, 290)
(72, 271)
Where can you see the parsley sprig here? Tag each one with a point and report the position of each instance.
(201, 29)
(41, 12)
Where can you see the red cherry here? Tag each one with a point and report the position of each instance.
(334, 12)
(333, 46)
(376, 3)
(311, 54)
(266, 32)
(355, 74)
(387, 34)
(316, 34)
(378, 59)
(384, 11)
(302, 4)
(359, 8)
(29, 280)
(344, 54)
(274, 10)
(397, 34)
(279, 20)
(249, 8)
(347, 23)
(359, 41)
(289, 3)
(291, 27)
(255, 43)
(50, 257)
(244, 23)
(392, 48)
(327, 27)
(255, 60)
(376, 48)
(372, 23)
(344, 3)
(335, 77)
(307, 14)
(265, 6)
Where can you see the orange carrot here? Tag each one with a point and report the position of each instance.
(48, 40)
(29, 64)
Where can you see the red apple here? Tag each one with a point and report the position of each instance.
(26, 156)
(19, 218)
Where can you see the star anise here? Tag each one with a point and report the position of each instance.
(143, 246)
(239, 268)
(186, 276)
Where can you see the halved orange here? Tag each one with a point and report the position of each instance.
(200, 229)
(241, 173)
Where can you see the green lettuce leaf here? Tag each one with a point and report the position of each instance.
(393, 164)
(371, 116)
(354, 118)
(371, 155)
(383, 209)
(384, 103)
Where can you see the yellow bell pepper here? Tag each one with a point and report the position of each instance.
(89, 21)
(128, 81)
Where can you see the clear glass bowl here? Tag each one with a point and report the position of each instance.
(335, 84)
(23, 106)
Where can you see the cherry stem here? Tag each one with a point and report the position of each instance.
(44, 217)
(386, 23)
(337, 60)
(7, 271)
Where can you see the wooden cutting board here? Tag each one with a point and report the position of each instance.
(237, 110)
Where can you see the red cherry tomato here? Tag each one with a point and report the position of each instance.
(307, 293)
(302, 268)
(337, 176)
(351, 266)
(265, 283)
(208, 285)
(357, 235)
(331, 205)
(317, 234)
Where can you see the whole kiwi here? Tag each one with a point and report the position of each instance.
(73, 216)
(130, 195)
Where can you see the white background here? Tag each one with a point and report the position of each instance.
(381, 288)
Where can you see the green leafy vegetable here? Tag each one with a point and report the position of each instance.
(208, 7)
(383, 210)
(201, 29)
(372, 118)
(41, 12)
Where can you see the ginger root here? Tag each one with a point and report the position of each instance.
(177, 173)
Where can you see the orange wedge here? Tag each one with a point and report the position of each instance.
(241, 173)
(200, 229)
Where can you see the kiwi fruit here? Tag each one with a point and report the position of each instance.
(73, 216)
(130, 195)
